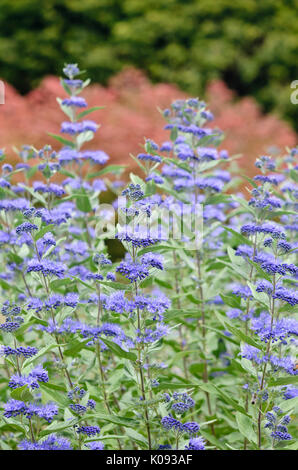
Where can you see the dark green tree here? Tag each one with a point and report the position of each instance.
(251, 44)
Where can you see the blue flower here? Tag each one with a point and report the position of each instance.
(77, 408)
(52, 442)
(71, 70)
(133, 271)
(47, 267)
(95, 156)
(168, 422)
(196, 443)
(74, 128)
(164, 447)
(88, 430)
(281, 436)
(51, 188)
(191, 428)
(28, 351)
(273, 179)
(148, 157)
(289, 296)
(71, 299)
(38, 374)
(111, 277)
(252, 353)
(16, 407)
(166, 146)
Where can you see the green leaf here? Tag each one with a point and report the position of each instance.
(245, 426)
(58, 284)
(62, 140)
(197, 369)
(138, 162)
(137, 437)
(242, 336)
(65, 86)
(260, 270)
(174, 134)
(76, 346)
(88, 111)
(180, 355)
(238, 263)
(167, 188)
(294, 175)
(119, 351)
(51, 393)
(15, 258)
(36, 195)
(43, 231)
(216, 442)
(22, 394)
(40, 353)
(238, 236)
(260, 297)
(84, 137)
(83, 202)
(243, 203)
(292, 446)
(57, 427)
(251, 181)
(65, 172)
(160, 248)
(106, 437)
(114, 169)
(218, 199)
(137, 180)
(231, 300)
(111, 418)
(116, 285)
(288, 405)
(31, 172)
(213, 390)
(12, 426)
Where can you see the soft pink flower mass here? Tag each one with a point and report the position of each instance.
(131, 113)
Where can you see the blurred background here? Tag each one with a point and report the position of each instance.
(240, 56)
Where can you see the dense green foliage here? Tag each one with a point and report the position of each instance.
(252, 45)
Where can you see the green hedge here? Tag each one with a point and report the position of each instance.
(251, 44)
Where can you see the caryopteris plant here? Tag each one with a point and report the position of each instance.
(189, 341)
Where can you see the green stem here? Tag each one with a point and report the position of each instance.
(260, 415)
(203, 317)
(31, 431)
(177, 291)
(100, 365)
